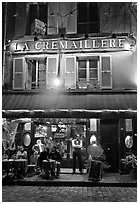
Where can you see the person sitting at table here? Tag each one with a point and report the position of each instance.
(55, 155)
(21, 168)
(45, 155)
(21, 153)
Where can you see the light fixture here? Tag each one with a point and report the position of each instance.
(86, 36)
(36, 38)
(113, 35)
(57, 82)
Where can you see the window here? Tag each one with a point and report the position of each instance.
(36, 11)
(36, 74)
(62, 17)
(88, 71)
(88, 18)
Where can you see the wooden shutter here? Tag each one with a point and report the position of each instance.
(72, 18)
(52, 18)
(106, 72)
(70, 72)
(18, 80)
(52, 66)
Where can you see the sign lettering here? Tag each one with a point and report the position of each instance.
(70, 45)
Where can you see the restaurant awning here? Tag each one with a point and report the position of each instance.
(69, 104)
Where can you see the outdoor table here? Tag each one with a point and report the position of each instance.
(20, 163)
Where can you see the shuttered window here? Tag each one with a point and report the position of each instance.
(70, 72)
(52, 68)
(18, 80)
(106, 72)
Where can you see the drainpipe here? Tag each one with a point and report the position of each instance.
(5, 30)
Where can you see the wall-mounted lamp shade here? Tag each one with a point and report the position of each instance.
(27, 139)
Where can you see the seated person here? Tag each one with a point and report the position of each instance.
(55, 155)
(21, 153)
(45, 155)
(21, 169)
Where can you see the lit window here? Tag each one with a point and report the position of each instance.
(36, 74)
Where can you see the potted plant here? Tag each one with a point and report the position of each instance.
(130, 163)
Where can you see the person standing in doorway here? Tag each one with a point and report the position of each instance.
(77, 145)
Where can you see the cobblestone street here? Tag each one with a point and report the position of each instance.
(68, 194)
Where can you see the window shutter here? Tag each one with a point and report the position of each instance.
(106, 73)
(52, 18)
(72, 18)
(18, 81)
(52, 66)
(70, 72)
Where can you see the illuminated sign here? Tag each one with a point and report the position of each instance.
(93, 44)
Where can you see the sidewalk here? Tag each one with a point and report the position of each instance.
(69, 179)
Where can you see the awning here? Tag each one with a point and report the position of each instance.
(69, 104)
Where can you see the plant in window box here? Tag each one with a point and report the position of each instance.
(130, 163)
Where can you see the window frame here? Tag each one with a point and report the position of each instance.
(28, 25)
(36, 74)
(88, 22)
(88, 79)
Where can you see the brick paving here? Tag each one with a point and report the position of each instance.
(68, 194)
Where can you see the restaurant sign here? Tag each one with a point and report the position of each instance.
(93, 44)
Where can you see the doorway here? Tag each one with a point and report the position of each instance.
(109, 141)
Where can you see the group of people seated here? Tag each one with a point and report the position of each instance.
(47, 160)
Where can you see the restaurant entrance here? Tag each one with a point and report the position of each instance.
(109, 141)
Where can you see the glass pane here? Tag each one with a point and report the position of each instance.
(42, 71)
(93, 74)
(82, 64)
(92, 63)
(82, 28)
(82, 74)
(82, 11)
(93, 12)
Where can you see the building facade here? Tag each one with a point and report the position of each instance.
(68, 65)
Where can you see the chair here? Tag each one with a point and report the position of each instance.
(33, 164)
